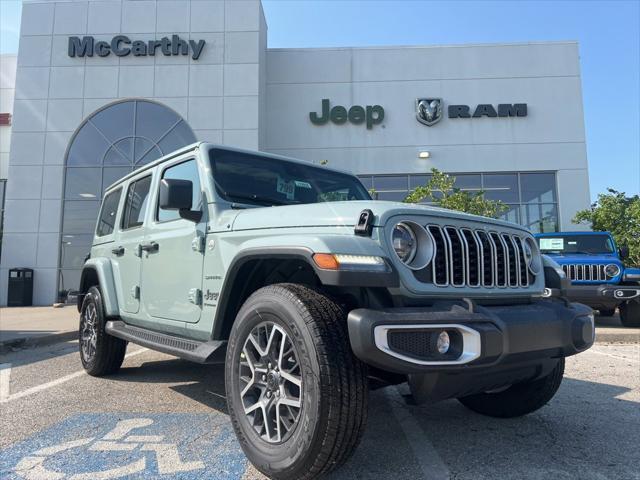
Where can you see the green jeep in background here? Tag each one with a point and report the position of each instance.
(313, 294)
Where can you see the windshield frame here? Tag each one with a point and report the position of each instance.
(579, 250)
(247, 198)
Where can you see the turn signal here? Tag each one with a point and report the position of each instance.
(326, 261)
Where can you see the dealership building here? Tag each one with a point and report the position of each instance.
(103, 87)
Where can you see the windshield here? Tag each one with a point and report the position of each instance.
(576, 244)
(257, 180)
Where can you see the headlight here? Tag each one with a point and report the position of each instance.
(404, 242)
(612, 270)
(532, 256)
(412, 244)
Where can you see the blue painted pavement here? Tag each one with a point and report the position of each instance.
(135, 446)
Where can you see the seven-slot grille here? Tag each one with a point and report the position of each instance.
(586, 272)
(476, 258)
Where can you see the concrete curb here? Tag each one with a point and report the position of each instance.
(8, 346)
(618, 336)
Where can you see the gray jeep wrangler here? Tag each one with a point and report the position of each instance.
(317, 294)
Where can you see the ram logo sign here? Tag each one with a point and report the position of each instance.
(429, 110)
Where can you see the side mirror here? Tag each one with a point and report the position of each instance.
(177, 194)
(623, 252)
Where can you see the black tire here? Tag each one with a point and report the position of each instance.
(333, 393)
(607, 312)
(630, 313)
(105, 355)
(519, 399)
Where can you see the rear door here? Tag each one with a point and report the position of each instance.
(125, 253)
(172, 272)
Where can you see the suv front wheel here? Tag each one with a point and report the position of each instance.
(630, 313)
(519, 399)
(297, 396)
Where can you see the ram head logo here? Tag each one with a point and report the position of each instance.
(429, 110)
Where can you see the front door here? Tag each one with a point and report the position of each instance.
(125, 252)
(172, 271)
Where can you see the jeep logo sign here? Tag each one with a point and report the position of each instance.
(369, 115)
(121, 46)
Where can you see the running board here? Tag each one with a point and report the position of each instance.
(192, 350)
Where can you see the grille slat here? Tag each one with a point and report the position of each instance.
(476, 258)
(586, 272)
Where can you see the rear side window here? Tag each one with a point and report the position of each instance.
(107, 219)
(136, 203)
(183, 171)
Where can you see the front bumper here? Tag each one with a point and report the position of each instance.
(602, 296)
(489, 337)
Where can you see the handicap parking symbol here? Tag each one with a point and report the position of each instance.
(109, 446)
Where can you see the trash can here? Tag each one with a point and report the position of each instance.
(20, 287)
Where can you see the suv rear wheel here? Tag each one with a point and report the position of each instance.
(297, 395)
(518, 399)
(630, 313)
(100, 353)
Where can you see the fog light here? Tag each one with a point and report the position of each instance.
(443, 343)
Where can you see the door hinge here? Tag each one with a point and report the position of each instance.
(135, 292)
(195, 296)
(197, 244)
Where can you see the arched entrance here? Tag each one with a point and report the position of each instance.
(110, 143)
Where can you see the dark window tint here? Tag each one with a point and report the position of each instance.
(183, 171)
(107, 219)
(136, 203)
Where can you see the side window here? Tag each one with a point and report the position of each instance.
(136, 203)
(107, 219)
(183, 171)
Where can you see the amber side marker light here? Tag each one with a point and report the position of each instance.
(358, 263)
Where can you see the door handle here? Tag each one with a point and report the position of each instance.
(118, 251)
(150, 247)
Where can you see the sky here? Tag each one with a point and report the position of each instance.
(608, 33)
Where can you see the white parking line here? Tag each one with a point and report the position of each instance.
(5, 380)
(431, 464)
(48, 385)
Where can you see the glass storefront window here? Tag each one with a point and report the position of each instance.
(83, 184)
(530, 197)
(501, 187)
(111, 143)
(540, 218)
(390, 182)
(538, 187)
(469, 183)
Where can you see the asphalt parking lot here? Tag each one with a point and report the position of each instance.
(162, 417)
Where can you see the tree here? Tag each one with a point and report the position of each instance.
(441, 191)
(616, 213)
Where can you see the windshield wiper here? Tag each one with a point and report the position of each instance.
(255, 198)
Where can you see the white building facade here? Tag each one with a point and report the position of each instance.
(102, 87)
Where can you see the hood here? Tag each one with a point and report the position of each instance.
(568, 258)
(342, 214)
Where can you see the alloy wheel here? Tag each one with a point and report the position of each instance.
(270, 382)
(89, 332)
